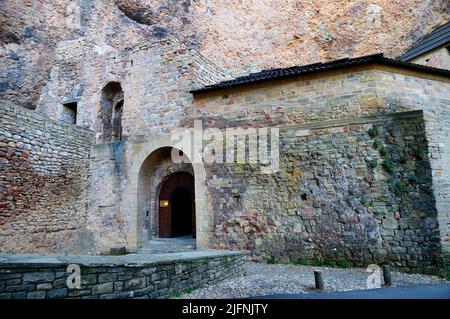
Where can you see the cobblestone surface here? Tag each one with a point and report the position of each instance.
(266, 279)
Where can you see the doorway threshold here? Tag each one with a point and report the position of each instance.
(168, 245)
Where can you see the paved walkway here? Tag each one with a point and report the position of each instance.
(281, 279)
(440, 291)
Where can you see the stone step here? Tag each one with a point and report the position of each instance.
(168, 245)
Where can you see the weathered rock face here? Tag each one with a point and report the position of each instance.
(29, 33)
(240, 35)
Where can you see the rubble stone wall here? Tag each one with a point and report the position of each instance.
(155, 76)
(340, 195)
(44, 183)
(159, 279)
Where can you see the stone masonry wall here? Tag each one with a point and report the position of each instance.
(155, 76)
(331, 96)
(405, 92)
(107, 281)
(109, 215)
(44, 167)
(353, 92)
(356, 190)
(438, 58)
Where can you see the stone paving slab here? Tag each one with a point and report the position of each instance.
(17, 260)
(168, 245)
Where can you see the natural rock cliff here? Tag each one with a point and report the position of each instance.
(239, 35)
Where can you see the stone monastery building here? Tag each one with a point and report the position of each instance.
(363, 146)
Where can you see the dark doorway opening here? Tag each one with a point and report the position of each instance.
(181, 211)
(177, 206)
(117, 122)
(69, 113)
(110, 113)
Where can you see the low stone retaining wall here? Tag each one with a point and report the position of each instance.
(109, 277)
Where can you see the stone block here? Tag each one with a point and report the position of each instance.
(118, 286)
(19, 295)
(20, 288)
(45, 286)
(118, 250)
(36, 295)
(120, 295)
(58, 293)
(12, 282)
(79, 293)
(156, 276)
(390, 223)
(106, 277)
(60, 283)
(38, 277)
(144, 291)
(89, 279)
(61, 274)
(5, 295)
(161, 284)
(103, 288)
(146, 271)
(10, 276)
(134, 284)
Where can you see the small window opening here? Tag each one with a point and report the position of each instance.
(69, 113)
(117, 122)
(110, 113)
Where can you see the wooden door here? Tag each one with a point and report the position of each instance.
(169, 223)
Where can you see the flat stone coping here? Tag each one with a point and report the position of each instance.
(129, 260)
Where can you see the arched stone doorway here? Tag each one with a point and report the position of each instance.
(160, 179)
(149, 165)
(177, 206)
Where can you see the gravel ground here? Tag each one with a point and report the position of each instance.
(266, 279)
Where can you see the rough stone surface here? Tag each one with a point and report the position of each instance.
(236, 34)
(331, 204)
(340, 194)
(44, 178)
(305, 182)
(118, 250)
(438, 58)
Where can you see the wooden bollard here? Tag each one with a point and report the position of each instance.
(319, 280)
(387, 275)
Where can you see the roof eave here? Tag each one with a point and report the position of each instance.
(371, 60)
